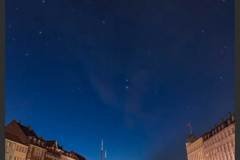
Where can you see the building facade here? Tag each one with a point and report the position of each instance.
(217, 144)
(195, 150)
(15, 150)
(22, 143)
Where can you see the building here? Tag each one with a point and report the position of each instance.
(22, 143)
(195, 149)
(216, 144)
(15, 149)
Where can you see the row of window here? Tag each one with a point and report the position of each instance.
(226, 149)
(21, 149)
(38, 153)
(194, 147)
(37, 158)
(14, 146)
(222, 156)
(38, 141)
(14, 158)
(219, 137)
(18, 158)
(196, 156)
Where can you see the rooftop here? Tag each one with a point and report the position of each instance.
(51, 145)
(219, 127)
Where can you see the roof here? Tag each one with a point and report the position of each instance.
(17, 131)
(219, 127)
(50, 143)
(13, 138)
(53, 153)
(27, 130)
(191, 138)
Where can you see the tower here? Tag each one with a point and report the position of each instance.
(103, 153)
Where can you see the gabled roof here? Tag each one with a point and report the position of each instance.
(27, 130)
(14, 138)
(17, 132)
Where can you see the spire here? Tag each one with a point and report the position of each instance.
(105, 155)
(102, 145)
(102, 151)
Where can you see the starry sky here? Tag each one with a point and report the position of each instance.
(134, 73)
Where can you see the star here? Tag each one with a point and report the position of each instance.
(203, 30)
(103, 22)
(40, 32)
(126, 80)
(43, 1)
(26, 54)
(126, 87)
(221, 77)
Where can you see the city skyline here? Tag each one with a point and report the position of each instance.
(134, 73)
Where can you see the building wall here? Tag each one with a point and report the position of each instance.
(221, 146)
(195, 150)
(50, 156)
(15, 150)
(35, 148)
(36, 153)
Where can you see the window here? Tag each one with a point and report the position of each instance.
(233, 131)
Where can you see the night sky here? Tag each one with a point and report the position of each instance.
(133, 72)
